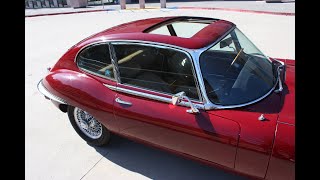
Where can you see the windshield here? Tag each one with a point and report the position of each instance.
(235, 71)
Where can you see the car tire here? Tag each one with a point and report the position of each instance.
(96, 134)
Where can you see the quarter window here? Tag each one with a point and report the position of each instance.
(163, 70)
(96, 59)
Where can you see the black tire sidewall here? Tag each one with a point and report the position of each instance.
(102, 140)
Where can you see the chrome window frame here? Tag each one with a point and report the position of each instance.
(208, 104)
(90, 72)
(163, 46)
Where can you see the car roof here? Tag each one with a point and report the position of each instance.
(139, 31)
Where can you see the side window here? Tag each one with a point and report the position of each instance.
(96, 59)
(158, 69)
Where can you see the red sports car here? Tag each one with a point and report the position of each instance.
(194, 86)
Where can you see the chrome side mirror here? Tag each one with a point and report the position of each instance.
(177, 98)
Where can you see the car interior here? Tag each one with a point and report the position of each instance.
(156, 69)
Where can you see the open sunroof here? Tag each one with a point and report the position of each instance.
(184, 27)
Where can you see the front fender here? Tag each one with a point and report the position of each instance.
(83, 91)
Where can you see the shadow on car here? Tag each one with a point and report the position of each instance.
(156, 164)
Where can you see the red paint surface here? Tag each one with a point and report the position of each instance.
(204, 136)
(256, 137)
(282, 162)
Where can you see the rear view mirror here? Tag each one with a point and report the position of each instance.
(226, 42)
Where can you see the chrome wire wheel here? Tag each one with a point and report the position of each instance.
(87, 123)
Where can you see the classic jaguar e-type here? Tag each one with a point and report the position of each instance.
(194, 86)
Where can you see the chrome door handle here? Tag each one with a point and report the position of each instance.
(118, 100)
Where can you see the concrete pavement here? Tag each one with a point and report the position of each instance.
(54, 150)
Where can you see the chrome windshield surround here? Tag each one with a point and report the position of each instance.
(150, 96)
(209, 105)
(215, 106)
(47, 94)
(196, 53)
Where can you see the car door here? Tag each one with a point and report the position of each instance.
(149, 76)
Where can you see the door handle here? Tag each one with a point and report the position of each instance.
(118, 100)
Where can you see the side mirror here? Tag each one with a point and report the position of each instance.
(176, 98)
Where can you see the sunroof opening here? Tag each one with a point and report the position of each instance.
(185, 28)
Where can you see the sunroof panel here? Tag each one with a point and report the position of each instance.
(185, 28)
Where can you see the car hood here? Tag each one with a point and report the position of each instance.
(287, 112)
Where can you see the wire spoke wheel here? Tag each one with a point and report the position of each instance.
(87, 123)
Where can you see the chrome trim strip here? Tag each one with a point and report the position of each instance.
(196, 56)
(96, 74)
(132, 86)
(47, 94)
(149, 96)
(114, 62)
(214, 106)
(113, 88)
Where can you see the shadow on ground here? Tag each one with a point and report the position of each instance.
(157, 164)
